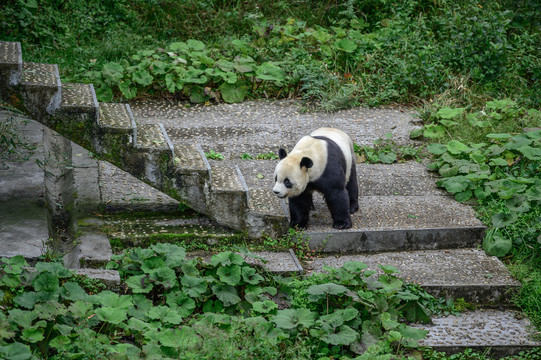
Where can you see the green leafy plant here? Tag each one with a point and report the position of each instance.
(386, 151)
(214, 155)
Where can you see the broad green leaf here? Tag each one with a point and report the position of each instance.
(33, 334)
(15, 351)
(413, 333)
(178, 338)
(448, 171)
(317, 292)
(387, 157)
(449, 113)
(21, 317)
(354, 266)
(226, 293)
(165, 314)
(108, 298)
(127, 90)
(164, 276)
(54, 268)
(250, 275)
(112, 72)
(518, 203)
(230, 274)
(72, 291)
(111, 315)
(344, 336)
(534, 193)
(389, 284)
(193, 286)
(500, 104)
(182, 303)
(233, 93)
(478, 157)
(417, 133)
(434, 131)
(498, 162)
(456, 147)
(498, 136)
(500, 220)
(345, 45)
(225, 65)
(293, 318)
(448, 123)
(414, 312)
(26, 300)
(174, 255)
(195, 45)
(46, 285)
(226, 258)
(140, 284)
(264, 307)
(152, 264)
(60, 343)
(531, 153)
(436, 149)
(455, 184)
(463, 196)
(497, 245)
(388, 269)
(271, 72)
(387, 322)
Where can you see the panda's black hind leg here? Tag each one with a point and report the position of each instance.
(299, 209)
(353, 190)
(337, 201)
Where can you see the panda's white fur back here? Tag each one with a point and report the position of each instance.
(342, 140)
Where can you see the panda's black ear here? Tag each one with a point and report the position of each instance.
(282, 153)
(306, 162)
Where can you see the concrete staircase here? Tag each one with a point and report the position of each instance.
(404, 220)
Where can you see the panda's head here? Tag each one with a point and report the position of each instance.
(291, 174)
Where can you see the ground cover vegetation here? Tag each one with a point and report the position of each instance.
(172, 306)
(336, 53)
(471, 67)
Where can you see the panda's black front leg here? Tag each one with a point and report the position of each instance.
(338, 202)
(299, 209)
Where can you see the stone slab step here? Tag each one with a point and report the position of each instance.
(501, 333)
(190, 157)
(116, 118)
(79, 97)
(397, 223)
(11, 56)
(228, 195)
(458, 273)
(153, 137)
(40, 75)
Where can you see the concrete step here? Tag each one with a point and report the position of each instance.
(11, 67)
(116, 118)
(458, 273)
(266, 214)
(228, 199)
(499, 333)
(192, 175)
(41, 90)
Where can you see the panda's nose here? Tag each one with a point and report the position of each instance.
(276, 192)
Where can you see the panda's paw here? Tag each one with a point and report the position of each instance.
(341, 225)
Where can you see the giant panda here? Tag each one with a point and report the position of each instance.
(323, 161)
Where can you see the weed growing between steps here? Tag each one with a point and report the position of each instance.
(489, 155)
(175, 307)
(386, 151)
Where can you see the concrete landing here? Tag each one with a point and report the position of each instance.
(501, 333)
(458, 273)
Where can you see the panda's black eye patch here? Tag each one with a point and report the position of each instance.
(275, 178)
(288, 183)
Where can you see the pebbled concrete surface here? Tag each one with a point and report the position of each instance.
(502, 333)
